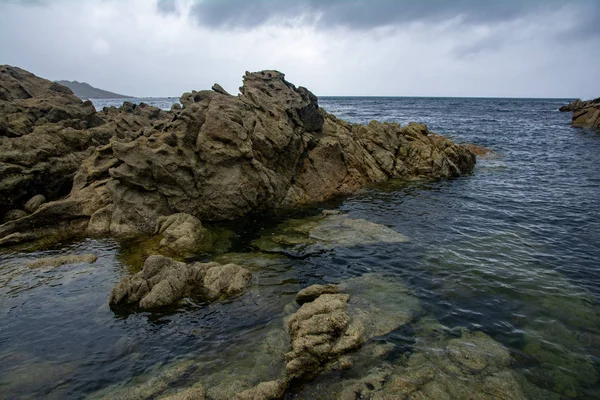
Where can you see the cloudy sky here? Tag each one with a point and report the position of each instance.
(520, 48)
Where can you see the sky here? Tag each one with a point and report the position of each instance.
(476, 48)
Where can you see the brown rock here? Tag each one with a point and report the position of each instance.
(586, 114)
(34, 203)
(218, 158)
(312, 292)
(62, 260)
(163, 281)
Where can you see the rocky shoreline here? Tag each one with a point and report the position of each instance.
(217, 157)
(586, 114)
(138, 172)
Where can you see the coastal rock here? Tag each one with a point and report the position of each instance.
(163, 281)
(310, 293)
(62, 260)
(13, 215)
(34, 203)
(183, 234)
(320, 331)
(44, 137)
(586, 114)
(220, 157)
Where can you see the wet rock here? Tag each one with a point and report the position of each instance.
(272, 390)
(586, 114)
(320, 331)
(183, 234)
(312, 292)
(473, 366)
(162, 378)
(188, 394)
(218, 158)
(324, 232)
(13, 215)
(54, 262)
(34, 203)
(163, 281)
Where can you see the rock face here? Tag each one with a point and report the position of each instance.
(163, 281)
(586, 114)
(220, 157)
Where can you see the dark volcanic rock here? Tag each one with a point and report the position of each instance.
(586, 114)
(218, 158)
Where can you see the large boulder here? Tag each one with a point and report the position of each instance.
(163, 281)
(586, 114)
(222, 157)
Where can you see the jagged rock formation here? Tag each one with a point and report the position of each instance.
(586, 114)
(220, 157)
(164, 281)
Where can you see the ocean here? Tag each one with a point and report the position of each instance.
(512, 250)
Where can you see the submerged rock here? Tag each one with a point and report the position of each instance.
(325, 232)
(163, 281)
(54, 262)
(220, 157)
(586, 114)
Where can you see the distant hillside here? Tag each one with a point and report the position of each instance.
(86, 91)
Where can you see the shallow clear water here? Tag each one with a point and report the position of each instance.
(511, 250)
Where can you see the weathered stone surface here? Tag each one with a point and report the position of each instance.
(218, 158)
(13, 215)
(183, 234)
(43, 137)
(272, 390)
(34, 203)
(312, 292)
(586, 114)
(189, 394)
(54, 262)
(320, 331)
(163, 281)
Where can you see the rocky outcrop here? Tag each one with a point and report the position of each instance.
(163, 281)
(44, 137)
(586, 114)
(219, 157)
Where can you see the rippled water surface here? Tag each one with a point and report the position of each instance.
(512, 250)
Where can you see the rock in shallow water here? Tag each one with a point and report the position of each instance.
(324, 232)
(62, 260)
(163, 281)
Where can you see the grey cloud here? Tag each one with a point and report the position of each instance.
(365, 14)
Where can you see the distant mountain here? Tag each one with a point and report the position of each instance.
(86, 91)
